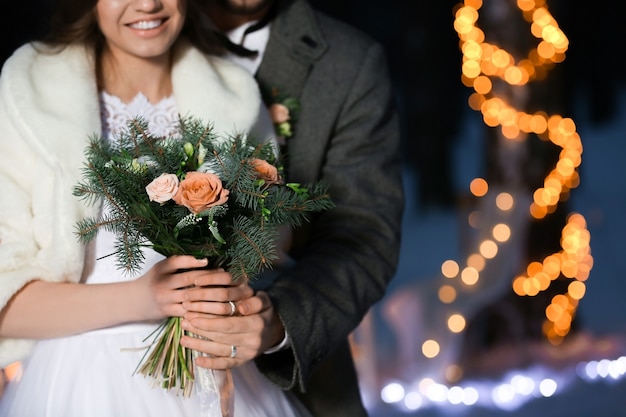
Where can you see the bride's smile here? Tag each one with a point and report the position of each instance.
(140, 28)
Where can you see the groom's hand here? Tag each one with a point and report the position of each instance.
(230, 341)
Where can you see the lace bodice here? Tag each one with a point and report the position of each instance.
(114, 113)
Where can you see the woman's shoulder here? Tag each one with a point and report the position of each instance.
(21, 57)
(40, 50)
(38, 57)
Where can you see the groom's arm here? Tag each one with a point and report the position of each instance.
(353, 249)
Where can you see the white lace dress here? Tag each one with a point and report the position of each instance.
(91, 374)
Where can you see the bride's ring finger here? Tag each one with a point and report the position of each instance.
(233, 308)
(216, 308)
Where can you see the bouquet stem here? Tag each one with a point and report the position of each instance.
(171, 365)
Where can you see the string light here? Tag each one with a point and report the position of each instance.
(483, 63)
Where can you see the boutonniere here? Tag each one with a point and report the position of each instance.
(284, 114)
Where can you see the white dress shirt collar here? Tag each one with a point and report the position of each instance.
(255, 41)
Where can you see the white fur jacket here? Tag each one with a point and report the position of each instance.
(48, 110)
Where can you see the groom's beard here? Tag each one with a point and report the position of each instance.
(244, 7)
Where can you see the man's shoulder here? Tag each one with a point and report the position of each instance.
(302, 17)
(340, 31)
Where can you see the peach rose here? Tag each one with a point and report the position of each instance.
(162, 188)
(279, 113)
(199, 191)
(265, 170)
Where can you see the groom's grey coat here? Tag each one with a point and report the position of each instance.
(347, 135)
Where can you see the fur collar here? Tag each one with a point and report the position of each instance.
(57, 116)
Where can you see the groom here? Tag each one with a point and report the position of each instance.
(345, 134)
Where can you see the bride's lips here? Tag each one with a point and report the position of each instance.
(147, 25)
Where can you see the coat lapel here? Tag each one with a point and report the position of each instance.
(295, 44)
(294, 47)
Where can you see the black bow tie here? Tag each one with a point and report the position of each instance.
(241, 50)
(234, 48)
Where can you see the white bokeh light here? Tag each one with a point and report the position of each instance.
(392, 393)
(547, 387)
(413, 401)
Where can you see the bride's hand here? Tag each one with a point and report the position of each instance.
(162, 289)
(216, 294)
(254, 329)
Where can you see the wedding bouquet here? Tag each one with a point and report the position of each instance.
(192, 194)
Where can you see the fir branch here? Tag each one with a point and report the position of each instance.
(202, 133)
(254, 246)
(140, 125)
(87, 229)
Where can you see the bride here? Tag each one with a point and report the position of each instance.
(66, 312)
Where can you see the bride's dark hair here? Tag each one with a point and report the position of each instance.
(75, 21)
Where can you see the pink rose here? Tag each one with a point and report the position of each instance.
(199, 191)
(162, 188)
(279, 113)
